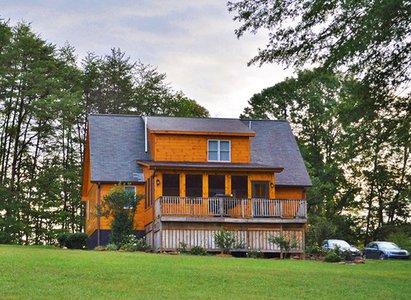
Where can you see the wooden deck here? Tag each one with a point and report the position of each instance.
(174, 208)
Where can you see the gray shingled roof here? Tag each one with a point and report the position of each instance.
(116, 143)
(198, 125)
(274, 144)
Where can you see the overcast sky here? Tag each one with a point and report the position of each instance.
(193, 42)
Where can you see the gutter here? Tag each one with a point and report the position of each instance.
(98, 214)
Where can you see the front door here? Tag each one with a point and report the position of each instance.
(260, 193)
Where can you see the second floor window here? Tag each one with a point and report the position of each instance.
(219, 150)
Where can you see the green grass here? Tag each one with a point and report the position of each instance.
(28, 272)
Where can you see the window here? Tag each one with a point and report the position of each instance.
(130, 190)
(171, 184)
(216, 185)
(219, 150)
(194, 185)
(260, 189)
(239, 186)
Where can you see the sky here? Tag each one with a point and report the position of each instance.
(193, 42)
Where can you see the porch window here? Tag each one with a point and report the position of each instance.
(171, 184)
(239, 186)
(219, 150)
(194, 185)
(216, 185)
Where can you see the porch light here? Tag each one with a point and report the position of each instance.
(272, 185)
(157, 181)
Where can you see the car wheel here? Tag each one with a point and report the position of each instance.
(364, 256)
(382, 256)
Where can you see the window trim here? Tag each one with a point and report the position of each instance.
(218, 150)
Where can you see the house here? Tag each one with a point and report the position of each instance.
(198, 175)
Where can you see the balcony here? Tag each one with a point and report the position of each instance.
(215, 209)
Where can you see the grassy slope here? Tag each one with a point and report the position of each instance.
(40, 272)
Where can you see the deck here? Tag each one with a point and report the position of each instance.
(233, 210)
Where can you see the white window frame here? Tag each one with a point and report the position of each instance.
(134, 188)
(219, 150)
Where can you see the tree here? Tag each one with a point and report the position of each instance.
(370, 38)
(356, 150)
(121, 206)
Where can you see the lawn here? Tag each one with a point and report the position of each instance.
(28, 272)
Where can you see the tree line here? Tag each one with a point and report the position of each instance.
(46, 95)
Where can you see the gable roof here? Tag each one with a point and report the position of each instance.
(117, 143)
(274, 144)
(198, 125)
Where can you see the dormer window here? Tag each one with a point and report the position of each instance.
(219, 150)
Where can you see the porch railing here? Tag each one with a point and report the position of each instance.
(231, 207)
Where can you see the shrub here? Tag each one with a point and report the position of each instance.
(183, 247)
(121, 205)
(332, 257)
(76, 240)
(224, 240)
(134, 244)
(62, 238)
(401, 239)
(111, 247)
(198, 250)
(255, 254)
(316, 251)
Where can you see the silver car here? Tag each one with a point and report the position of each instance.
(342, 245)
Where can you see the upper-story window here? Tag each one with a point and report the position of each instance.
(219, 150)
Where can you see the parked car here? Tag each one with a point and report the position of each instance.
(342, 245)
(384, 250)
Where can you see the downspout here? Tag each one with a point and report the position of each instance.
(98, 214)
(145, 135)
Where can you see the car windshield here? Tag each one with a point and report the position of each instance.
(338, 243)
(388, 246)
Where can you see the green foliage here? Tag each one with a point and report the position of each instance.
(285, 244)
(76, 240)
(255, 254)
(319, 229)
(182, 247)
(332, 257)
(111, 247)
(198, 250)
(45, 100)
(134, 244)
(224, 240)
(121, 205)
(369, 38)
(402, 239)
(62, 238)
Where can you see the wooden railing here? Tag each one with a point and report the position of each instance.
(231, 207)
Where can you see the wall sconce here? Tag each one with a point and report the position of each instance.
(272, 185)
(157, 181)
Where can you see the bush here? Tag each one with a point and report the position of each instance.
(134, 244)
(332, 257)
(62, 238)
(255, 254)
(182, 248)
(224, 240)
(401, 239)
(76, 240)
(198, 250)
(316, 251)
(111, 247)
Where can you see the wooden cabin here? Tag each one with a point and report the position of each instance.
(198, 175)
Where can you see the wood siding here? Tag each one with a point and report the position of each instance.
(169, 236)
(191, 148)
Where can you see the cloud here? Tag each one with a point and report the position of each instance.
(193, 42)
